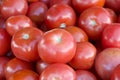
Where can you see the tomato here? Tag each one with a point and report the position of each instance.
(110, 37)
(5, 40)
(60, 15)
(106, 61)
(113, 4)
(116, 73)
(58, 71)
(81, 5)
(78, 34)
(85, 75)
(36, 12)
(16, 23)
(57, 45)
(41, 66)
(84, 56)
(24, 75)
(118, 20)
(53, 2)
(92, 21)
(13, 7)
(15, 65)
(24, 44)
(3, 62)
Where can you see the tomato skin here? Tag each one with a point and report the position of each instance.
(78, 34)
(84, 57)
(16, 23)
(60, 16)
(57, 45)
(81, 5)
(45, 1)
(92, 21)
(53, 2)
(36, 12)
(24, 75)
(116, 73)
(58, 71)
(113, 4)
(85, 75)
(106, 61)
(14, 7)
(41, 66)
(31, 1)
(24, 44)
(3, 62)
(110, 37)
(5, 40)
(15, 65)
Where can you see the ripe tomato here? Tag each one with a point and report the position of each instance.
(41, 66)
(3, 62)
(45, 1)
(13, 7)
(110, 35)
(16, 23)
(60, 15)
(57, 45)
(15, 65)
(2, 22)
(37, 11)
(92, 21)
(81, 5)
(24, 75)
(58, 71)
(24, 44)
(85, 75)
(84, 56)
(53, 2)
(106, 62)
(116, 73)
(5, 40)
(113, 4)
(78, 34)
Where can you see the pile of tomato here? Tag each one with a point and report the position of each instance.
(59, 39)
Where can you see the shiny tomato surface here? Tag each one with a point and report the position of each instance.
(24, 44)
(57, 46)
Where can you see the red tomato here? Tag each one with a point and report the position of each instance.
(5, 40)
(92, 21)
(106, 61)
(16, 23)
(78, 34)
(36, 12)
(14, 7)
(81, 5)
(57, 45)
(116, 73)
(24, 44)
(58, 71)
(3, 62)
(53, 2)
(113, 4)
(24, 75)
(110, 35)
(15, 65)
(60, 15)
(85, 75)
(84, 57)
(41, 66)
(118, 20)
